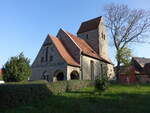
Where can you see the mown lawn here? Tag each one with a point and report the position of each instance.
(1, 78)
(117, 99)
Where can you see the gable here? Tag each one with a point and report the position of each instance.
(53, 52)
(63, 51)
(48, 55)
(141, 61)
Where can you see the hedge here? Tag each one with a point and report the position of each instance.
(13, 94)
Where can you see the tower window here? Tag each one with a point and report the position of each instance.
(103, 36)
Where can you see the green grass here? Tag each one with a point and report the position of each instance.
(1, 78)
(117, 99)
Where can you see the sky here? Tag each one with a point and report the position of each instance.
(24, 24)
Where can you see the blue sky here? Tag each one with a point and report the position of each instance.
(24, 24)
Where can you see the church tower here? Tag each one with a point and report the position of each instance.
(93, 32)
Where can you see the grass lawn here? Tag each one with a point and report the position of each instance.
(1, 78)
(117, 99)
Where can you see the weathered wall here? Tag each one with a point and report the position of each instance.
(91, 37)
(103, 42)
(70, 45)
(57, 63)
(111, 72)
(86, 68)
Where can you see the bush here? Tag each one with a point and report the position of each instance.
(16, 69)
(16, 93)
(74, 85)
(101, 82)
(1, 78)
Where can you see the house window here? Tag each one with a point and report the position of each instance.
(51, 58)
(46, 55)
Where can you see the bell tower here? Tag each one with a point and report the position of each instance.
(93, 32)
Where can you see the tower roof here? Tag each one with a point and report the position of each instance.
(89, 25)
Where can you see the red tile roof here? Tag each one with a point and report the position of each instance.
(85, 48)
(63, 52)
(89, 25)
(141, 61)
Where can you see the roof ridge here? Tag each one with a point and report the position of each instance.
(99, 17)
(141, 57)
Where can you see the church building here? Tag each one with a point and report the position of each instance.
(68, 57)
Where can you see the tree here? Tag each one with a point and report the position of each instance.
(16, 69)
(124, 55)
(126, 26)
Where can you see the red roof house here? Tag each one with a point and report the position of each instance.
(137, 72)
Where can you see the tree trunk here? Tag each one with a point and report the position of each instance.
(118, 71)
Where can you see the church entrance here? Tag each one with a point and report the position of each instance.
(74, 75)
(60, 76)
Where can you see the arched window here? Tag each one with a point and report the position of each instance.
(74, 75)
(45, 76)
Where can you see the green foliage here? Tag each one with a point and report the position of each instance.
(124, 56)
(101, 82)
(16, 93)
(16, 69)
(117, 99)
(73, 85)
(1, 78)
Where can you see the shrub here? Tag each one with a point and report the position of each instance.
(101, 82)
(16, 93)
(74, 85)
(16, 69)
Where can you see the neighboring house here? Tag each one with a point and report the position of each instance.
(67, 57)
(137, 72)
(1, 81)
(0, 72)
